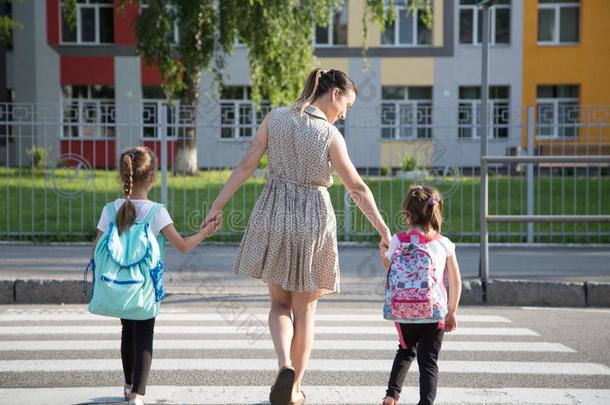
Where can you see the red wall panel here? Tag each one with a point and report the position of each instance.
(53, 22)
(150, 74)
(99, 154)
(125, 23)
(87, 70)
(155, 146)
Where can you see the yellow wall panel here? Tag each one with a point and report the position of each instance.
(585, 64)
(437, 23)
(341, 64)
(407, 71)
(394, 152)
(355, 11)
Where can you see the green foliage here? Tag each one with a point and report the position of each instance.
(39, 156)
(409, 164)
(263, 163)
(7, 25)
(69, 12)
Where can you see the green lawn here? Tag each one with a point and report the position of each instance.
(64, 205)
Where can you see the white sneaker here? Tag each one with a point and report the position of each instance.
(138, 401)
(126, 393)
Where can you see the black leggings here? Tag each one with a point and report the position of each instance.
(424, 342)
(136, 352)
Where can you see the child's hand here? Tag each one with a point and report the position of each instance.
(211, 227)
(450, 322)
(211, 216)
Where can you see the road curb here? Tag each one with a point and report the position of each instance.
(537, 293)
(496, 292)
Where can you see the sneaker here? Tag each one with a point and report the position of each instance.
(126, 393)
(138, 401)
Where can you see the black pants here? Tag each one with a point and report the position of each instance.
(424, 342)
(136, 352)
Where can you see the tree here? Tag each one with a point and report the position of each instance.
(277, 33)
(7, 24)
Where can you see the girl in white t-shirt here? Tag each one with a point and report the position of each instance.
(422, 209)
(138, 167)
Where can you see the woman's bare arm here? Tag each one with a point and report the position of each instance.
(359, 191)
(244, 170)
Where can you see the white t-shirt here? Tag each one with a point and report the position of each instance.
(160, 221)
(441, 248)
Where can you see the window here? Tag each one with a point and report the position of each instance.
(406, 112)
(558, 111)
(174, 35)
(469, 111)
(558, 21)
(179, 118)
(471, 22)
(88, 111)
(94, 23)
(239, 117)
(407, 29)
(336, 31)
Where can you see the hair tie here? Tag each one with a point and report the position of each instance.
(432, 202)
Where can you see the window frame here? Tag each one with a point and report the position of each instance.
(97, 29)
(474, 109)
(172, 128)
(414, 106)
(255, 118)
(330, 29)
(474, 9)
(416, 19)
(556, 7)
(105, 130)
(556, 102)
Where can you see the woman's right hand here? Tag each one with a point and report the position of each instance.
(384, 244)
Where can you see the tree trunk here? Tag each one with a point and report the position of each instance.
(185, 159)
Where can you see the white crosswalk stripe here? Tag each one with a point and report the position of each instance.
(385, 329)
(316, 394)
(75, 344)
(333, 345)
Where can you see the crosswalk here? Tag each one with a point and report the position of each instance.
(214, 356)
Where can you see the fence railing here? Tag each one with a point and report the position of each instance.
(53, 184)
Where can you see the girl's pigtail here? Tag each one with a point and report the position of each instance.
(127, 213)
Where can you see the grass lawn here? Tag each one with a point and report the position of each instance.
(65, 205)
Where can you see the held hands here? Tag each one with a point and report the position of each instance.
(385, 242)
(450, 322)
(211, 224)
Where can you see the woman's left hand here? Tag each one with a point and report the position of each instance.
(212, 215)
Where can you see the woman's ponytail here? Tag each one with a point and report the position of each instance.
(320, 82)
(310, 91)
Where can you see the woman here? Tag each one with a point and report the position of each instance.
(291, 241)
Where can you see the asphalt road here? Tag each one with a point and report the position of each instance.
(534, 263)
(219, 352)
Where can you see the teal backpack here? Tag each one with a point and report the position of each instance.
(128, 270)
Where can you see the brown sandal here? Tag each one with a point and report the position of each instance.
(281, 390)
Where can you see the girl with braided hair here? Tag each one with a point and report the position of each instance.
(422, 210)
(137, 173)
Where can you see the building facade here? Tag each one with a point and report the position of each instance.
(419, 87)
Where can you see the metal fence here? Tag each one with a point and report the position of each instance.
(58, 166)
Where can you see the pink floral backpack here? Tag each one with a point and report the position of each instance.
(414, 291)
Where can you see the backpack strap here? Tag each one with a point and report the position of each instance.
(152, 212)
(111, 212)
(413, 236)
